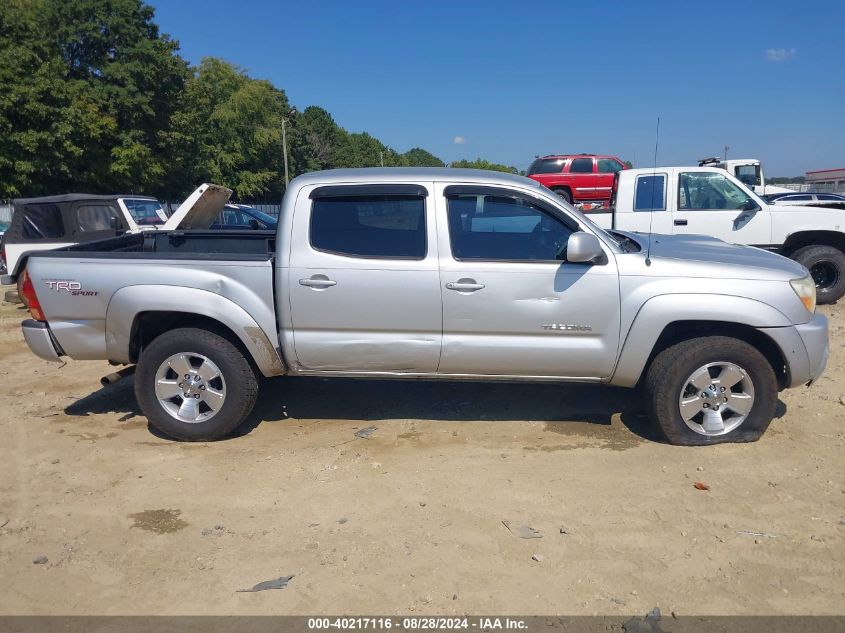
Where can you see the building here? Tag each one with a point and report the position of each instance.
(827, 180)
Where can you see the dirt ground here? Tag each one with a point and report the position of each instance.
(411, 519)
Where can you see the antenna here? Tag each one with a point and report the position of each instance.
(653, 178)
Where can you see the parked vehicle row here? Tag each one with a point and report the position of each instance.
(434, 273)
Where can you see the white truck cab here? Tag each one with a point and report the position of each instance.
(749, 171)
(710, 201)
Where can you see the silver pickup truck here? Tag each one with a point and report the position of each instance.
(433, 273)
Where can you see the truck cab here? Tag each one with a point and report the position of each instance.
(749, 171)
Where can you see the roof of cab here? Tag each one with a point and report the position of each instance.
(413, 174)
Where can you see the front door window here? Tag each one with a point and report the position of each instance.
(699, 191)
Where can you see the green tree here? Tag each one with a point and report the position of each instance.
(480, 163)
(418, 157)
(229, 131)
(89, 87)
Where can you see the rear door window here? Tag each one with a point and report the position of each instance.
(377, 226)
(581, 166)
(42, 222)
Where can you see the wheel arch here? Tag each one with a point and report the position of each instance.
(668, 319)
(800, 239)
(137, 314)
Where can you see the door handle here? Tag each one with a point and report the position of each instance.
(680, 222)
(317, 282)
(465, 286)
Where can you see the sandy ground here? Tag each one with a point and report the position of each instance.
(411, 520)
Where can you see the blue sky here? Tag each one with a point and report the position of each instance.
(509, 80)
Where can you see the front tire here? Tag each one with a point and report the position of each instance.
(827, 266)
(711, 390)
(194, 385)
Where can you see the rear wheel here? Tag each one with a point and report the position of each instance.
(564, 193)
(195, 385)
(711, 390)
(827, 266)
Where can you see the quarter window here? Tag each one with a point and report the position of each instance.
(709, 191)
(95, 217)
(498, 227)
(651, 193)
(609, 165)
(581, 166)
(381, 226)
(546, 166)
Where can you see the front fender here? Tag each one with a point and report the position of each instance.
(128, 302)
(658, 312)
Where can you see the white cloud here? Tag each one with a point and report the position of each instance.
(779, 54)
(459, 140)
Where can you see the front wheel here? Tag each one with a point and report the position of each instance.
(710, 390)
(194, 385)
(827, 266)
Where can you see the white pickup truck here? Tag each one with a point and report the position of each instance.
(709, 201)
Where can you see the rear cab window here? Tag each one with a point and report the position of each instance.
(369, 222)
(650, 194)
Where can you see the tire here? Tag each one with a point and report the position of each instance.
(564, 193)
(827, 265)
(206, 354)
(668, 384)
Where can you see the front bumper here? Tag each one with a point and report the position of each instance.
(40, 340)
(815, 338)
(805, 349)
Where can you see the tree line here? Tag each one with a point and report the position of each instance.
(93, 97)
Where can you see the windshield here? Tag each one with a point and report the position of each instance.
(145, 212)
(260, 215)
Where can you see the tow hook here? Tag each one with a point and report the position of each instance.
(117, 376)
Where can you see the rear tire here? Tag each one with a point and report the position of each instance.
(827, 265)
(195, 385)
(564, 193)
(681, 408)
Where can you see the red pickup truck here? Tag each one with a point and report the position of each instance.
(577, 177)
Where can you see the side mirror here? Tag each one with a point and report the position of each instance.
(750, 205)
(584, 248)
(114, 223)
(254, 224)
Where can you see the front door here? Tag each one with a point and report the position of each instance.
(710, 203)
(364, 287)
(512, 305)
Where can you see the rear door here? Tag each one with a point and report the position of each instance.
(710, 203)
(364, 286)
(584, 178)
(512, 305)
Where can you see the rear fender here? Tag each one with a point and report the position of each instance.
(128, 302)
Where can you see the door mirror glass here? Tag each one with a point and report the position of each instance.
(584, 248)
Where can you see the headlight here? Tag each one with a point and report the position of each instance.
(805, 288)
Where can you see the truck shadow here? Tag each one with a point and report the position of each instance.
(557, 405)
(562, 407)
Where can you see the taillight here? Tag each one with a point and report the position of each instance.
(30, 298)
